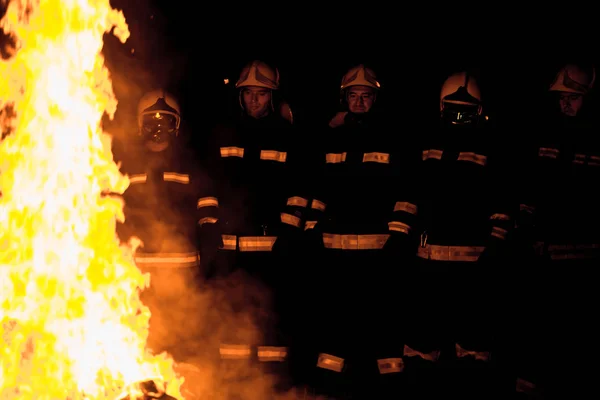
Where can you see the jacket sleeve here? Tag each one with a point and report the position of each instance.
(293, 214)
(404, 208)
(502, 205)
(207, 206)
(207, 203)
(501, 190)
(531, 160)
(315, 181)
(534, 165)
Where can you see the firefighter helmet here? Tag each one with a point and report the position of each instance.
(159, 115)
(258, 73)
(573, 79)
(460, 88)
(360, 76)
(460, 98)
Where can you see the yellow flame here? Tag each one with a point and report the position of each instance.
(72, 324)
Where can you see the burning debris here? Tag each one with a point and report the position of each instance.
(72, 325)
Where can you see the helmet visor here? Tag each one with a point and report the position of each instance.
(460, 114)
(158, 127)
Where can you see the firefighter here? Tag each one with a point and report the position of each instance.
(361, 217)
(558, 227)
(167, 200)
(255, 160)
(464, 222)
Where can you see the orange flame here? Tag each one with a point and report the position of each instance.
(72, 324)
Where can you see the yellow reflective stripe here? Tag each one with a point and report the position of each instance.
(333, 363)
(335, 158)
(234, 351)
(523, 386)
(573, 251)
(256, 243)
(501, 217)
(167, 260)
(354, 242)
(175, 177)
(309, 224)
(548, 152)
(273, 155)
(208, 202)
(431, 356)
(248, 243)
(579, 159)
(472, 157)
(272, 353)
(432, 153)
(290, 219)
(499, 232)
(478, 355)
(229, 242)
(450, 253)
(390, 365)
(232, 152)
(207, 220)
(398, 226)
(318, 205)
(297, 201)
(383, 158)
(526, 208)
(406, 207)
(137, 178)
(594, 161)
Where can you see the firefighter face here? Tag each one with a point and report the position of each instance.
(257, 101)
(360, 99)
(570, 103)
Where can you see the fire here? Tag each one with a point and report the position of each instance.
(72, 325)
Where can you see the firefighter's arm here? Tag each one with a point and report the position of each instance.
(502, 196)
(403, 217)
(503, 207)
(401, 226)
(403, 205)
(207, 211)
(294, 210)
(294, 204)
(316, 184)
(527, 189)
(501, 232)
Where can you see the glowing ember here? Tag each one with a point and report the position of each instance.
(71, 322)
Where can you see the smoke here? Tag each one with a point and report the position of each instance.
(219, 334)
(215, 325)
(212, 328)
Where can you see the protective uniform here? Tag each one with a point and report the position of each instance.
(361, 218)
(168, 197)
(558, 228)
(255, 161)
(464, 221)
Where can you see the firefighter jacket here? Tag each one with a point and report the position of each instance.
(256, 164)
(558, 200)
(465, 200)
(168, 199)
(362, 189)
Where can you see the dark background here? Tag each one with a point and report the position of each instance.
(190, 47)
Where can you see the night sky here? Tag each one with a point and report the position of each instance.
(192, 51)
